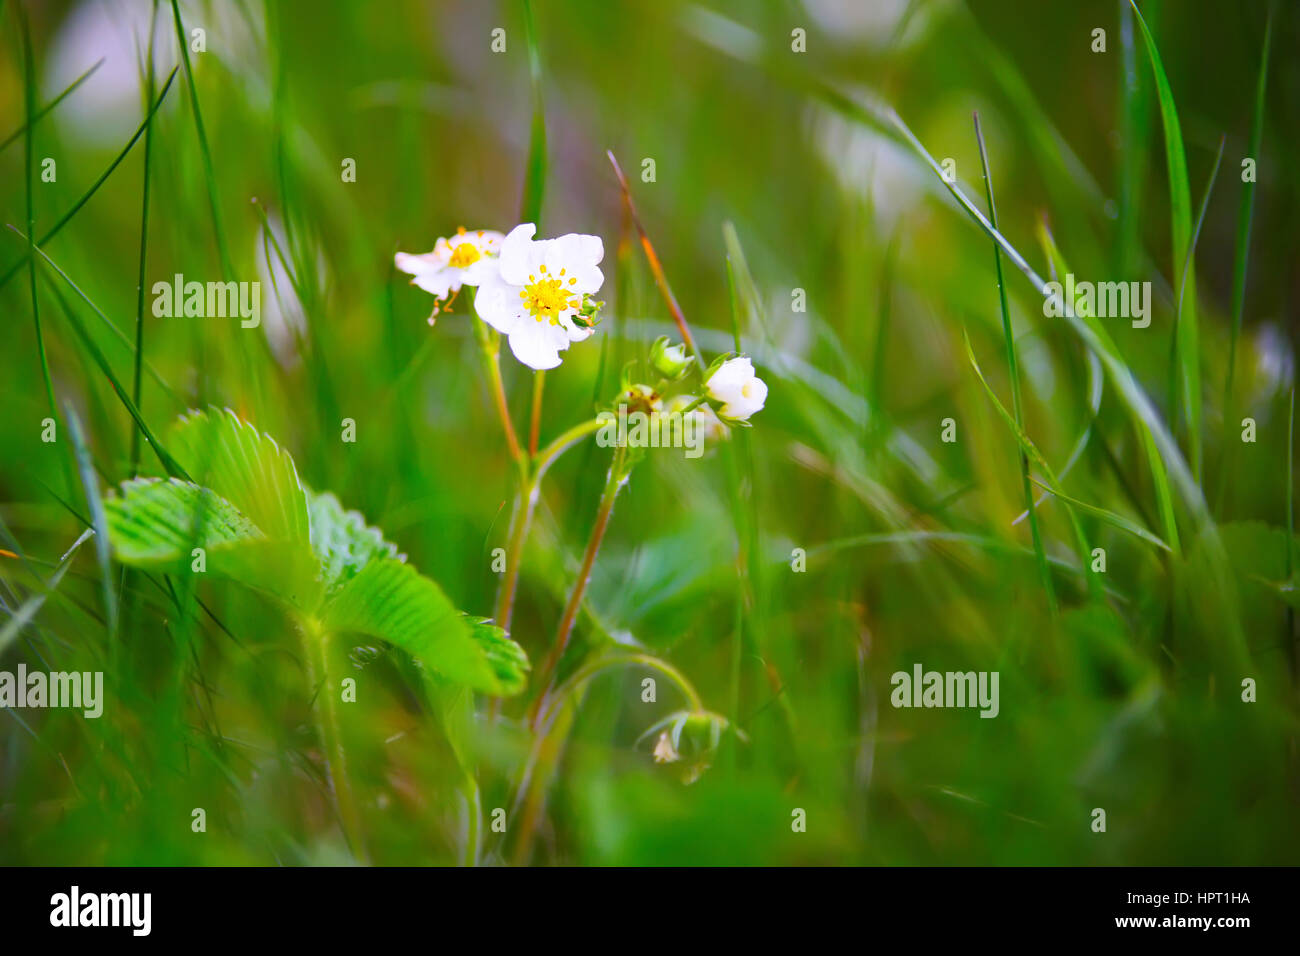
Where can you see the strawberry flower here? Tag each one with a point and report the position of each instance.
(467, 258)
(741, 392)
(540, 296)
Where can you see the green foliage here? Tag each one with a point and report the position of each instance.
(776, 171)
(260, 526)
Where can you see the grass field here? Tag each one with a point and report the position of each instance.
(595, 655)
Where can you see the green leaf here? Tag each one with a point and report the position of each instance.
(508, 660)
(342, 541)
(259, 525)
(247, 468)
(158, 521)
(390, 600)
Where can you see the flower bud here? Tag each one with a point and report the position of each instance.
(671, 361)
(690, 738)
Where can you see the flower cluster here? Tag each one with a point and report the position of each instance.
(538, 293)
(682, 398)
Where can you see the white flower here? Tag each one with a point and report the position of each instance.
(467, 258)
(738, 388)
(538, 290)
(664, 751)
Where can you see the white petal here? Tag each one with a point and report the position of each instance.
(439, 282)
(576, 333)
(538, 344)
(415, 265)
(577, 255)
(730, 376)
(590, 279)
(518, 255)
(481, 271)
(591, 249)
(499, 305)
(489, 240)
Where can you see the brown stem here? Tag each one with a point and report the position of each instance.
(492, 369)
(618, 475)
(521, 518)
(657, 270)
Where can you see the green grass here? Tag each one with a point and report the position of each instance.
(775, 171)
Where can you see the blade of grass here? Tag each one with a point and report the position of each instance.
(86, 196)
(1245, 219)
(1187, 266)
(1135, 113)
(1030, 450)
(29, 173)
(1095, 386)
(169, 463)
(530, 207)
(884, 119)
(1187, 331)
(743, 537)
(1110, 517)
(534, 192)
(25, 613)
(1013, 371)
(136, 384)
(1290, 531)
(53, 103)
(206, 153)
(741, 476)
(1148, 429)
(98, 519)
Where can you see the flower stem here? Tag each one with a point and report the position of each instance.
(521, 519)
(316, 645)
(617, 478)
(534, 426)
(490, 347)
(592, 668)
(474, 814)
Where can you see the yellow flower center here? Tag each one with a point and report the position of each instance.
(465, 254)
(547, 298)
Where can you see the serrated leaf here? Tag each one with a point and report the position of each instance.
(508, 660)
(158, 521)
(342, 541)
(390, 600)
(247, 468)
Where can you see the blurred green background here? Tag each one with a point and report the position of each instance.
(1128, 701)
